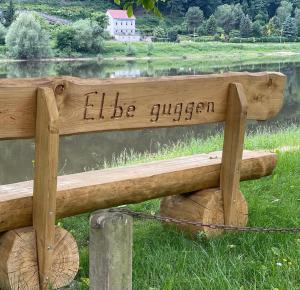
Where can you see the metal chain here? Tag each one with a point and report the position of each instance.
(142, 215)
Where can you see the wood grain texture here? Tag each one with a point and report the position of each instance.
(88, 191)
(19, 265)
(110, 251)
(204, 206)
(45, 180)
(235, 124)
(104, 105)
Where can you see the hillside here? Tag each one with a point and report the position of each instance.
(242, 18)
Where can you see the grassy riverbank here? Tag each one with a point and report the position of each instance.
(164, 259)
(219, 52)
(216, 50)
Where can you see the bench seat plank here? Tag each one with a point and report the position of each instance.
(87, 191)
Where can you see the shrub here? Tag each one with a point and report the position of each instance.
(172, 34)
(3, 32)
(65, 39)
(9, 14)
(87, 36)
(159, 33)
(26, 39)
(150, 49)
(234, 33)
(130, 50)
(257, 29)
(201, 30)
(83, 36)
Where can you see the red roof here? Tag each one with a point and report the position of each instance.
(119, 14)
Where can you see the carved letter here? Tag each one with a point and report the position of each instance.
(85, 116)
(155, 112)
(189, 110)
(130, 111)
(115, 115)
(212, 105)
(178, 111)
(101, 107)
(169, 109)
(200, 107)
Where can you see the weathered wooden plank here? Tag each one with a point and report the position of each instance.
(45, 181)
(103, 105)
(110, 251)
(88, 191)
(235, 123)
(19, 265)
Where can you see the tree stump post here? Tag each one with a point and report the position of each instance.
(110, 251)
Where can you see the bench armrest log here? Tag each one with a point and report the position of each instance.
(88, 191)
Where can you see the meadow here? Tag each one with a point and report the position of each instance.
(164, 259)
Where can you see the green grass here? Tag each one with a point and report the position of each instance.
(202, 50)
(165, 259)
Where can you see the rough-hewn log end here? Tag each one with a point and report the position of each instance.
(18, 263)
(204, 206)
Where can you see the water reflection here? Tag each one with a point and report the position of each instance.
(88, 151)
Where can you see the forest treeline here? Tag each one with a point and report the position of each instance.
(21, 34)
(232, 19)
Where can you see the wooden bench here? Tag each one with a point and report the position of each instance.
(47, 108)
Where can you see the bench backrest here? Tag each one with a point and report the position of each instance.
(104, 105)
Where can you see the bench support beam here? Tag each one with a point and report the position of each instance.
(236, 117)
(45, 181)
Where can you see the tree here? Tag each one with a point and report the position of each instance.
(246, 26)
(297, 19)
(284, 10)
(237, 14)
(194, 17)
(211, 25)
(289, 28)
(258, 7)
(176, 7)
(65, 39)
(159, 33)
(172, 34)
(257, 29)
(88, 36)
(225, 18)
(100, 18)
(3, 32)
(9, 14)
(26, 39)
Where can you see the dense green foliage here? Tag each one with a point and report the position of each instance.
(26, 39)
(83, 36)
(8, 14)
(223, 20)
(258, 18)
(3, 32)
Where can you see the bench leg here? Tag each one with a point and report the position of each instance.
(110, 251)
(236, 117)
(45, 181)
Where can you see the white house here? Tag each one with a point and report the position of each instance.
(120, 26)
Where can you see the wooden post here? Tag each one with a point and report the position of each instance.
(45, 181)
(110, 251)
(236, 117)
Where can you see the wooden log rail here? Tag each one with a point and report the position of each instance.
(88, 191)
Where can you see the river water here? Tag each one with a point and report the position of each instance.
(89, 151)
